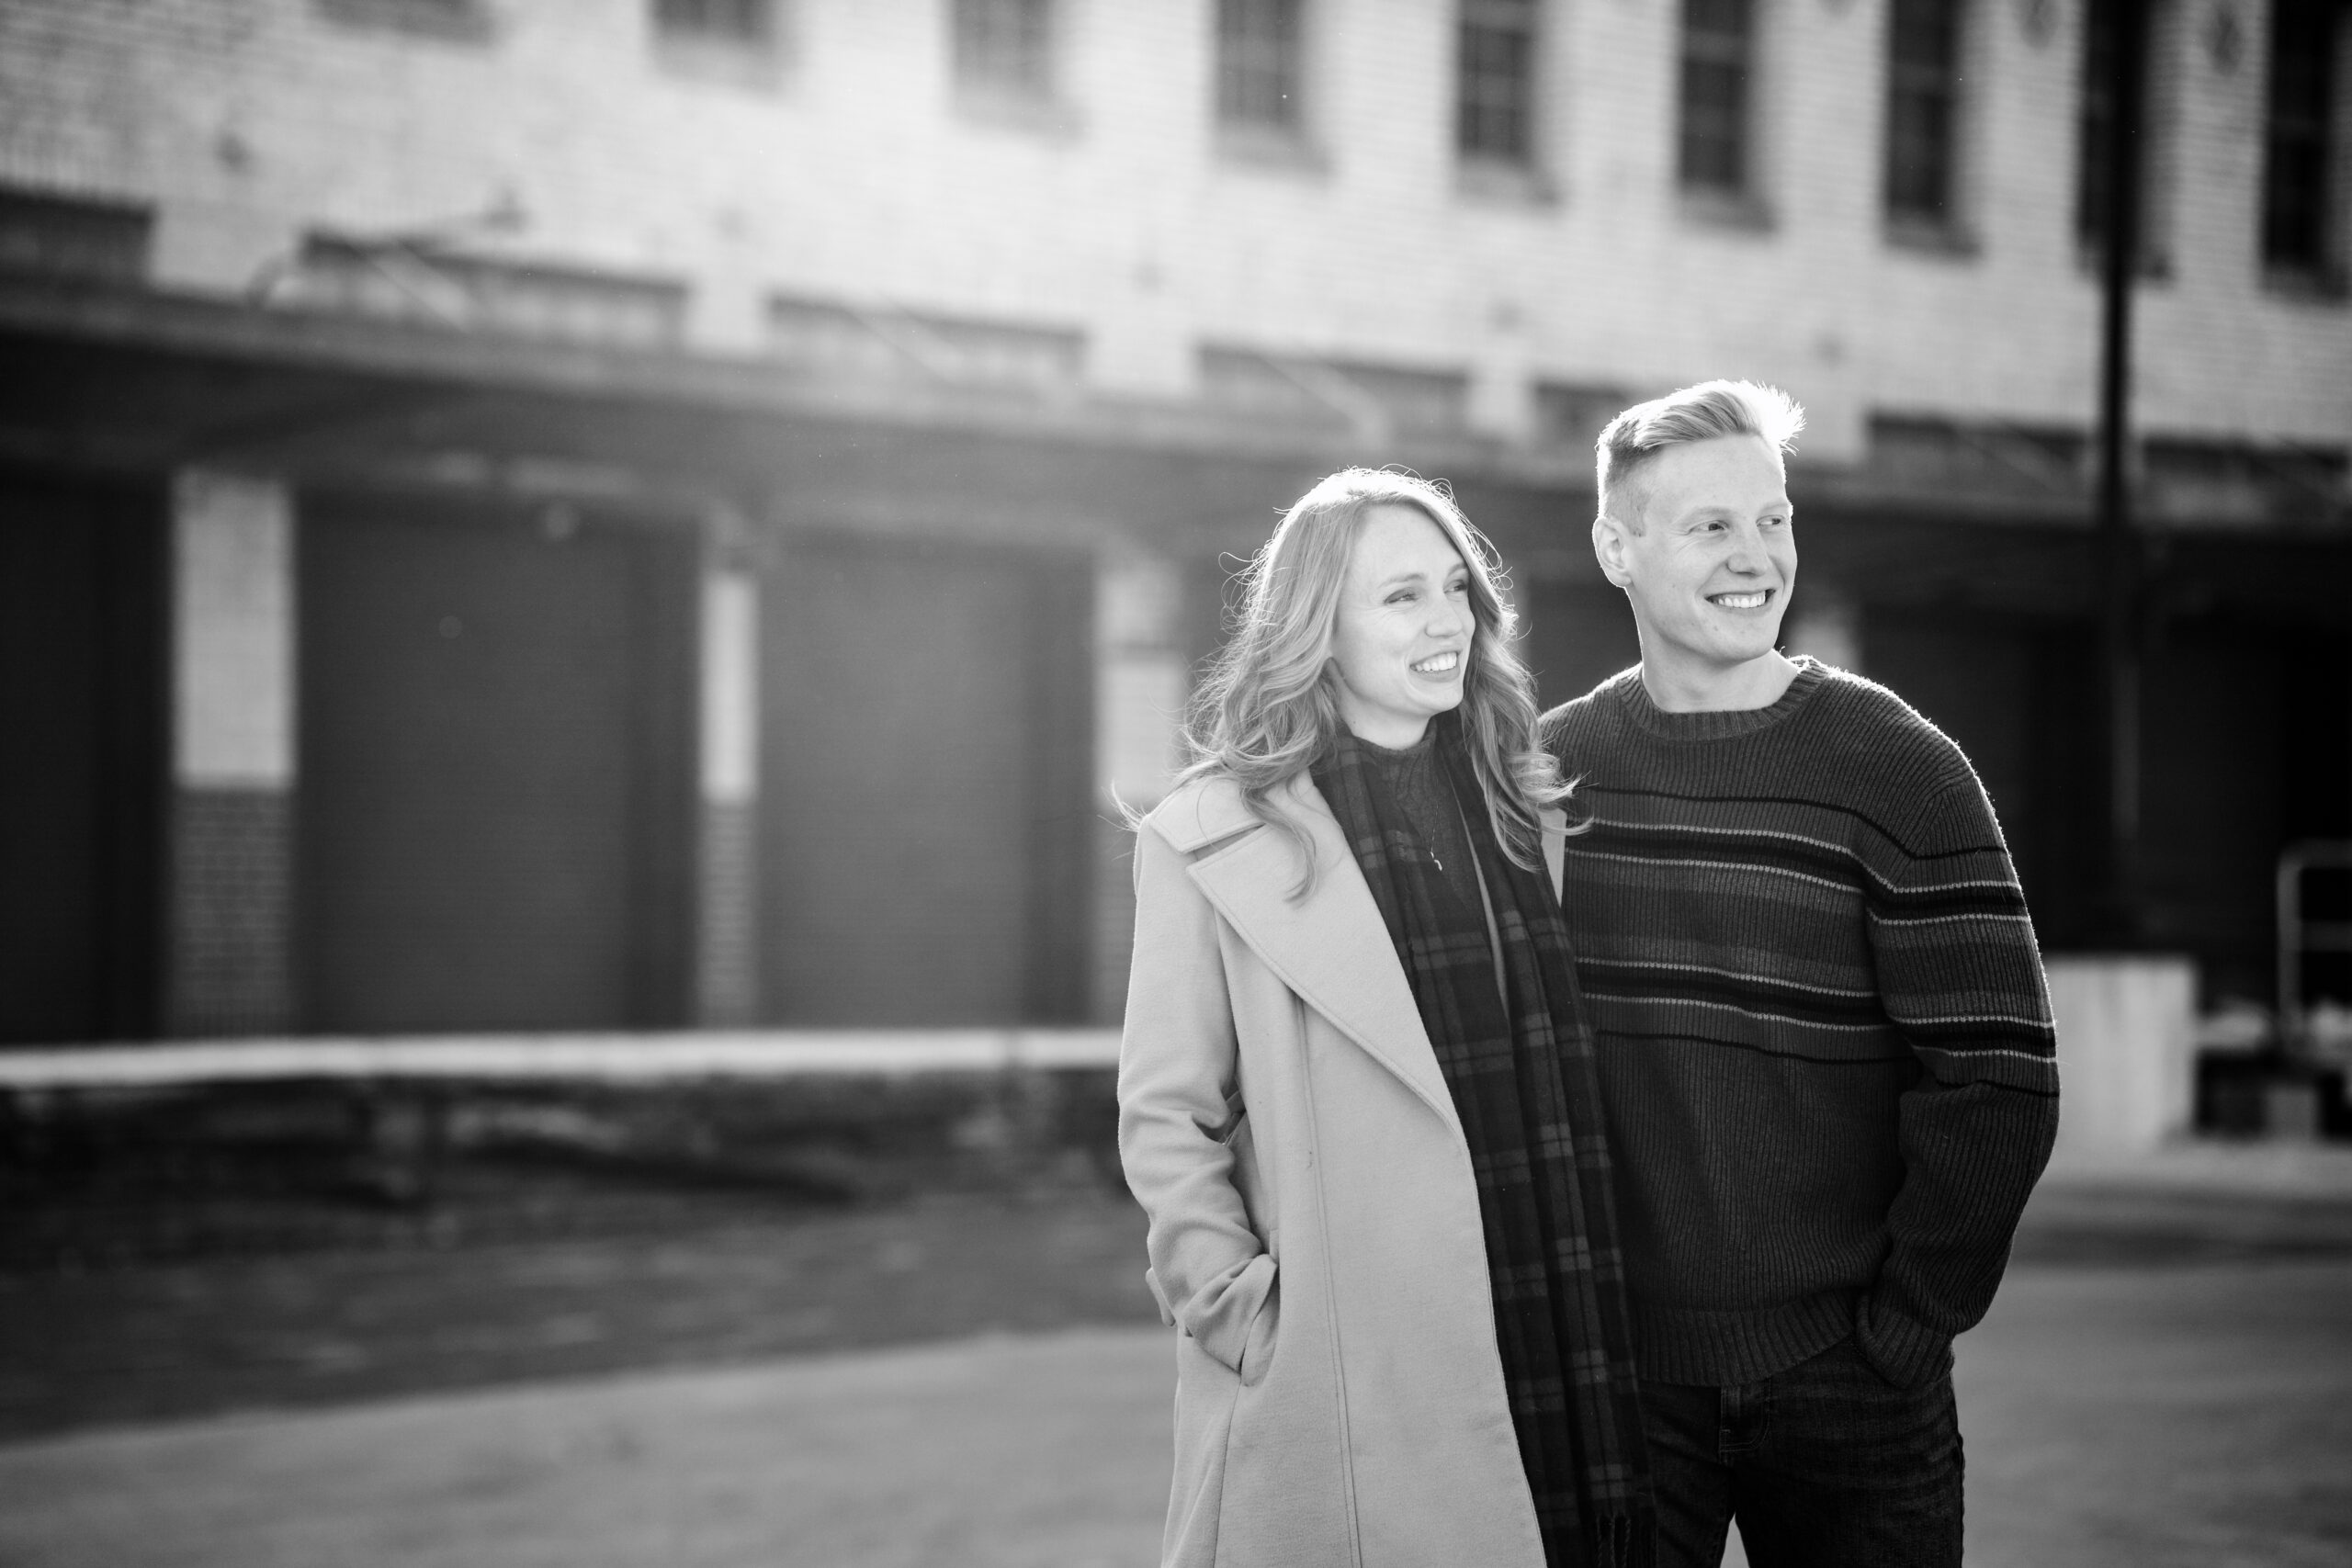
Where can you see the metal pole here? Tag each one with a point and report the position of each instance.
(2119, 546)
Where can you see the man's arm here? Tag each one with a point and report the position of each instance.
(1961, 978)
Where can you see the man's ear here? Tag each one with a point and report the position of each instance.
(1609, 547)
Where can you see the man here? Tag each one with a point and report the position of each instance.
(1824, 1042)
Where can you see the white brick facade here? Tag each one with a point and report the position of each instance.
(846, 171)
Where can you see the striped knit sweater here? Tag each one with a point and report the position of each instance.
(1825, 1040)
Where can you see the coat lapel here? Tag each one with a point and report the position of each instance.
(1332, 947)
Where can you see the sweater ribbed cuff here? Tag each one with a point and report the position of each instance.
(1902, 1350)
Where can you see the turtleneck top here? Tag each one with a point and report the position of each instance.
(1417, 778)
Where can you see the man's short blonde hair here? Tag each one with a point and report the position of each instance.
(1635, 438)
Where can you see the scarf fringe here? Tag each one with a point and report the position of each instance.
(1623, 1540)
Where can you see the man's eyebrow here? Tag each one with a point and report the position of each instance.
(1705, 510)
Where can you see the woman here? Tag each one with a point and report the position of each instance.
(1379, 1215)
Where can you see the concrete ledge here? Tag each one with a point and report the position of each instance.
(766, 1054)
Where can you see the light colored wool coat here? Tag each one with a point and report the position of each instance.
(1314, 1222)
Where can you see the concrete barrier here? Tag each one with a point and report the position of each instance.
(642, 1057)
(2126, 1059)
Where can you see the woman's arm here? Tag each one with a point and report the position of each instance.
(1177, 1066)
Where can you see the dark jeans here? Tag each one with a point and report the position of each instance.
(1825, 1465)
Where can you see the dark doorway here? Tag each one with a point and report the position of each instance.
(496, 746)
(927, 784)
(82, 725)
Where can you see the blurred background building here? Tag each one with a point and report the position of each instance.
(595, 514)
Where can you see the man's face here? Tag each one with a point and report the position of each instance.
(1709, 573)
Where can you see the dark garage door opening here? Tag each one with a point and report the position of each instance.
(495, 745)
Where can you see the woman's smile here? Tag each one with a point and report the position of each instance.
(1401, 637)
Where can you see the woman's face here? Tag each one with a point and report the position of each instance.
(1402, 639)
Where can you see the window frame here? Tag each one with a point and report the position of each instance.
(1742, 203)
(449, 22)
(981, 45)
(2320, 271)
(669, 22)
(89, 241)
(1947, 226)
(1521, 105)
(1281, 142)
(752, 57)
(2159, 90)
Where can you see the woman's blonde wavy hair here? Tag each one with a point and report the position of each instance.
(1269, 706)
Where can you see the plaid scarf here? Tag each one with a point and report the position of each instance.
(1522, 1081)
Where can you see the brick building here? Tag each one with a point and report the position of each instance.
(588, 513)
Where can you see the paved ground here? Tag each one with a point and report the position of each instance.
(2166, 1380)
(2146, 1418)
(310, 1328)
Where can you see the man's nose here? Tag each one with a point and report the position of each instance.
(1746, 549)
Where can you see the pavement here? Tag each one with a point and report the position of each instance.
(2181, 1395)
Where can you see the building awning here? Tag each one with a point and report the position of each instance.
(111, 377)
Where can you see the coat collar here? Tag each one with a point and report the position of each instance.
(1332, 947)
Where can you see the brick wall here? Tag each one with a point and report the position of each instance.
(727, 978)
(231, 876)
(844, 168)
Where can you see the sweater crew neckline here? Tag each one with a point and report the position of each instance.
(1716, 724)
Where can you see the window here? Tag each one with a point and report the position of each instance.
(1495, 86)
(1379, 402)
(99, 242)
(879, 344)
(475, 293)
(2092, 196)
(2218, 481)
(1931, 455)
(2300, 179)
(462, 21)
(740, 22)
(1922, 113)
(1260, 62)
(1569, 416)
(1718, 73)
(1004, 49)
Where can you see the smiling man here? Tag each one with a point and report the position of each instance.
(1825, 1052)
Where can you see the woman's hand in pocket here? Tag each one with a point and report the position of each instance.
(1259, 1349)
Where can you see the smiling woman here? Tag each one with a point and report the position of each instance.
(1400, 639)
(1400, 1315)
